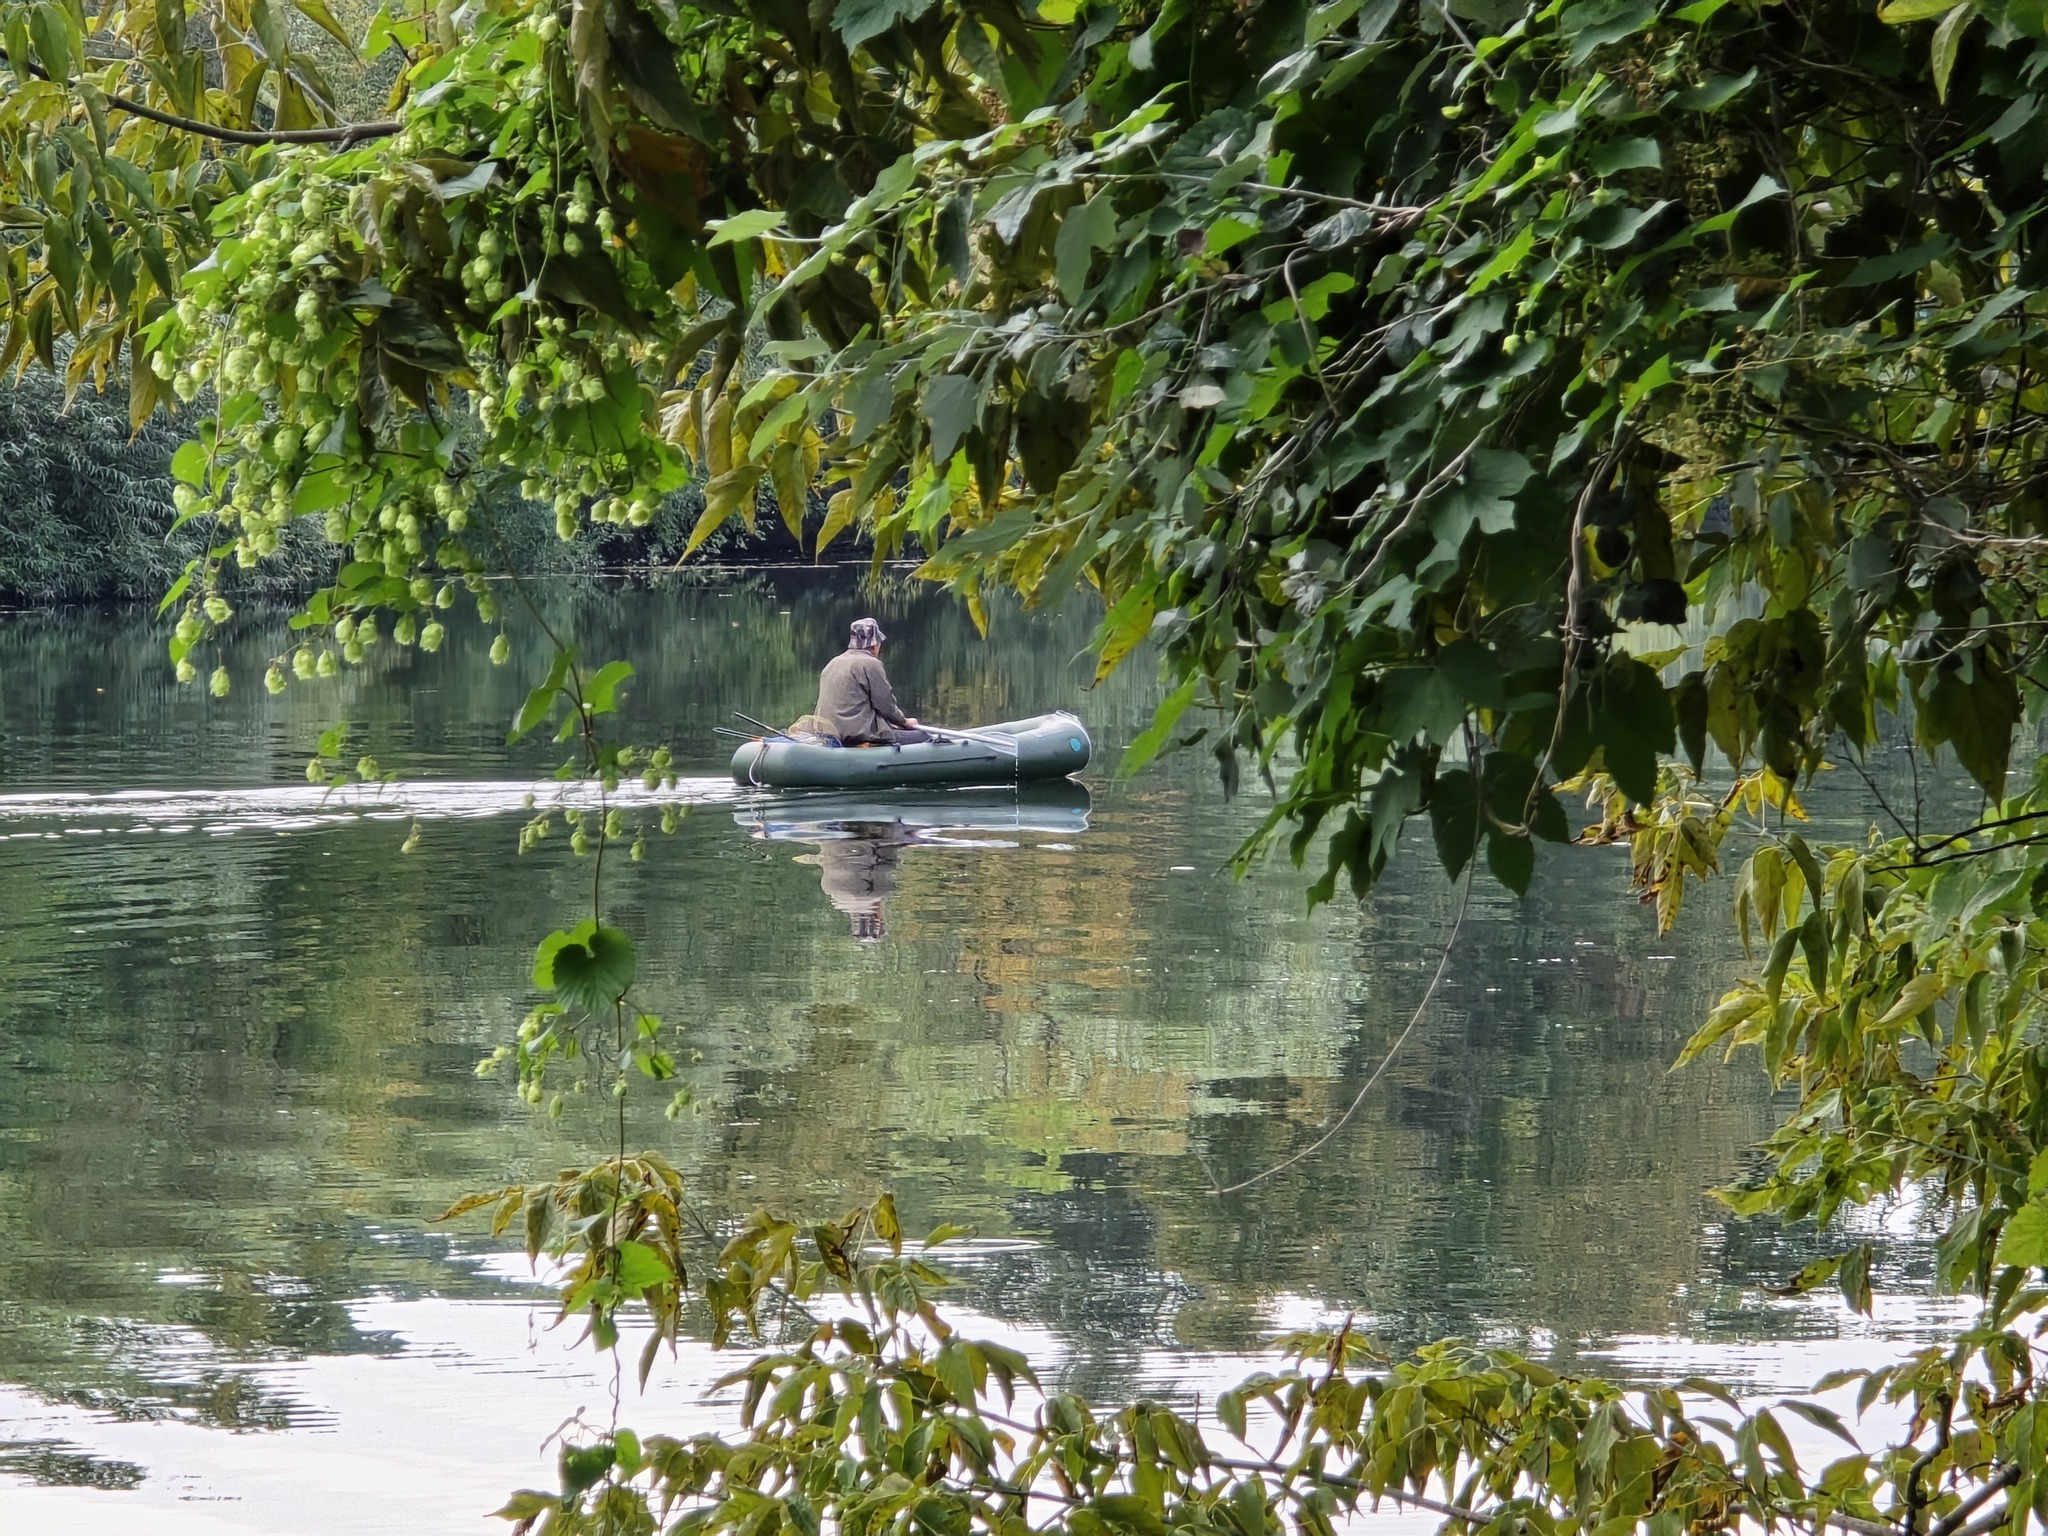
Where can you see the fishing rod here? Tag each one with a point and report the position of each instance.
(772, 730)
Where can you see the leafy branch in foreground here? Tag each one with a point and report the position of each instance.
(871, 1414)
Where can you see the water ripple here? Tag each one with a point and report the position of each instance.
(291, 808)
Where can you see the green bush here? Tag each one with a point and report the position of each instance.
(85, 506)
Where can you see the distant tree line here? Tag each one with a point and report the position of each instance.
(86, 514)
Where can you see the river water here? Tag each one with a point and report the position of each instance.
(239, 1035)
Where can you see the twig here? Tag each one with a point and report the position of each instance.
(1443, 964)
(1394, 212)
(1951, 1524)
(343, 134)
(1984, 1525)
(1877, 794)
(1308, 337)
(1364, 580)
(1486, 1517)
(1573, 639)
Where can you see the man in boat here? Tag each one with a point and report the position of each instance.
(855, 699)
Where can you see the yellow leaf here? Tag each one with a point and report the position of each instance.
(792, 493)
(1127, 622)
(1915, 997)
(838, 517)
(1669, 895)
(728, 493)
(718, 443)
(1899, 12)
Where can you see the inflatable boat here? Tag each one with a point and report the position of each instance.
(1053, 746)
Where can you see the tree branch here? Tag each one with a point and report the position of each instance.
(1955, 1520)
(343, 134)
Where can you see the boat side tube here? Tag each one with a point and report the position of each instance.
(1054, 746)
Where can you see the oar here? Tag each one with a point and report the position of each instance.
(979, 738)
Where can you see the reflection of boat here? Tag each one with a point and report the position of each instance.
(1046, 747)
(1058, 808)
(859, 839)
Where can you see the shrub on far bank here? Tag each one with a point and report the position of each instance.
(86, 514)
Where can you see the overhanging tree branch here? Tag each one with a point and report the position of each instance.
(343, 134)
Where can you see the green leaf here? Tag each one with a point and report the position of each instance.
(948, 409)
(2037, 1174)
(1128, 621)
(472, 181)
(1511, 859)
(1315, 298)
(642, 1267)
(582, 1466)
(1689, 712)
(526, 1505)
(587, 967)
(856, 21)
(1454, 820)
(1610, 25)
(1632, 721)
(1656, 376)
(540, 703)
(188, 465)
(319, 491)
(1885, 269)
(1128, 1512)
(1618, 155)
(177, 590)
(317, 12)
(1712, 94)
(887, 1226)
(600, 694)
(1482, 498)
(1148, 742)
(50, 29)
(1820, 1418)
(1947, 39)
(751, 225)
(2024, 1240)
(1086, 229)
(1973, 710)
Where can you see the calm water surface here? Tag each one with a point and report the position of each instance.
(238, 1038)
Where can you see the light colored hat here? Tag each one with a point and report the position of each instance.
(867, 634)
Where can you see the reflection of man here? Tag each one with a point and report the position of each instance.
(856, 873)
(854, 696)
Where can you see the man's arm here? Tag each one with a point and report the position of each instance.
(881, 695)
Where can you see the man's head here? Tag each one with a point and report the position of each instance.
(866, 636)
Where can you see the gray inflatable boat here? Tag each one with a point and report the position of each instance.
(1053, 746)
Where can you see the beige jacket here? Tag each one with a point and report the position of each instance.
(855, 698)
